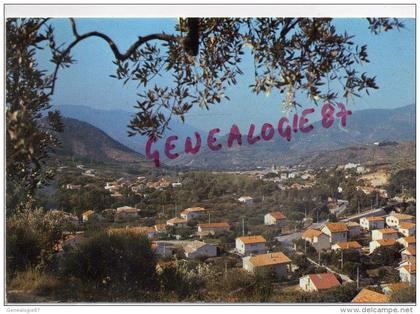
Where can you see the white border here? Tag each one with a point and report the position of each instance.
(208, 10)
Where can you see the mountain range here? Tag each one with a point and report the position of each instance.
(363, 127)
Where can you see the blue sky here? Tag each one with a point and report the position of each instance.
(392, 56)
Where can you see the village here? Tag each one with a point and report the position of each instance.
(308, 255)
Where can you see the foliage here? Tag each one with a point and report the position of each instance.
(29, 138)
(114, 264)
(386, 255)
(405, 295)
(203, 56)
(31, 236)
(402, 182)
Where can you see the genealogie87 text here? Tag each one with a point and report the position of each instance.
(284, 129)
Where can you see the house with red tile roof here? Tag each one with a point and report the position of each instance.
(318, 282)
(319, 240)
(250, 244)
(193, 212)
(394, 220)
(407, 241)
(351, 245)
(373, 245)
(275, 218)
(387, 233)
(407, 228)
(212, 228)
(198, 249)
(177, 222)
(370, 296)
(276, 261)
(337, 231)
(373, 222)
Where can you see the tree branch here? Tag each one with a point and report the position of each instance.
(118, 55)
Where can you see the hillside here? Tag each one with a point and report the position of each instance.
(363, 127)
(114, 123)
(82, 140)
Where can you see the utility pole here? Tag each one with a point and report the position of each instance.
(209, 217)
(305, 247)
(319, 253)
(358, 206)
(243, 227)
(357, 277)
(377, 199)
(409, 272)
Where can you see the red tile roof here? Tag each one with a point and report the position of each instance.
(387, 231)
(369, 296)
(269, 259)
(253, 239)
(374, 218)
(324, 281)
(278, 215)
(386, 242)
(214, 225)
(351, 245)
(193, 210)
(337, 227)
(311, 233)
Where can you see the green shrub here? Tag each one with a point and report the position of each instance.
(120, 265)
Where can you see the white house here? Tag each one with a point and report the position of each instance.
(193, 212)
(317, 282)
(373, 245)
(407, 241)
(250, 244)
(275, 218)
(350, 165)
(176, 222)
(163, 249)
(87, 215)
(248, 200)
(277, 261)
(212, 228)
(395, 219)
(408, 273)
(319, 240)
(387, 233)
(371, 223)
(407, 228)
(198, 249)
(126, 213)
(337, 231)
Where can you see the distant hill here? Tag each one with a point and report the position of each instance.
(363, 127)
(396, 152)
(114, 123)
(82, 140)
